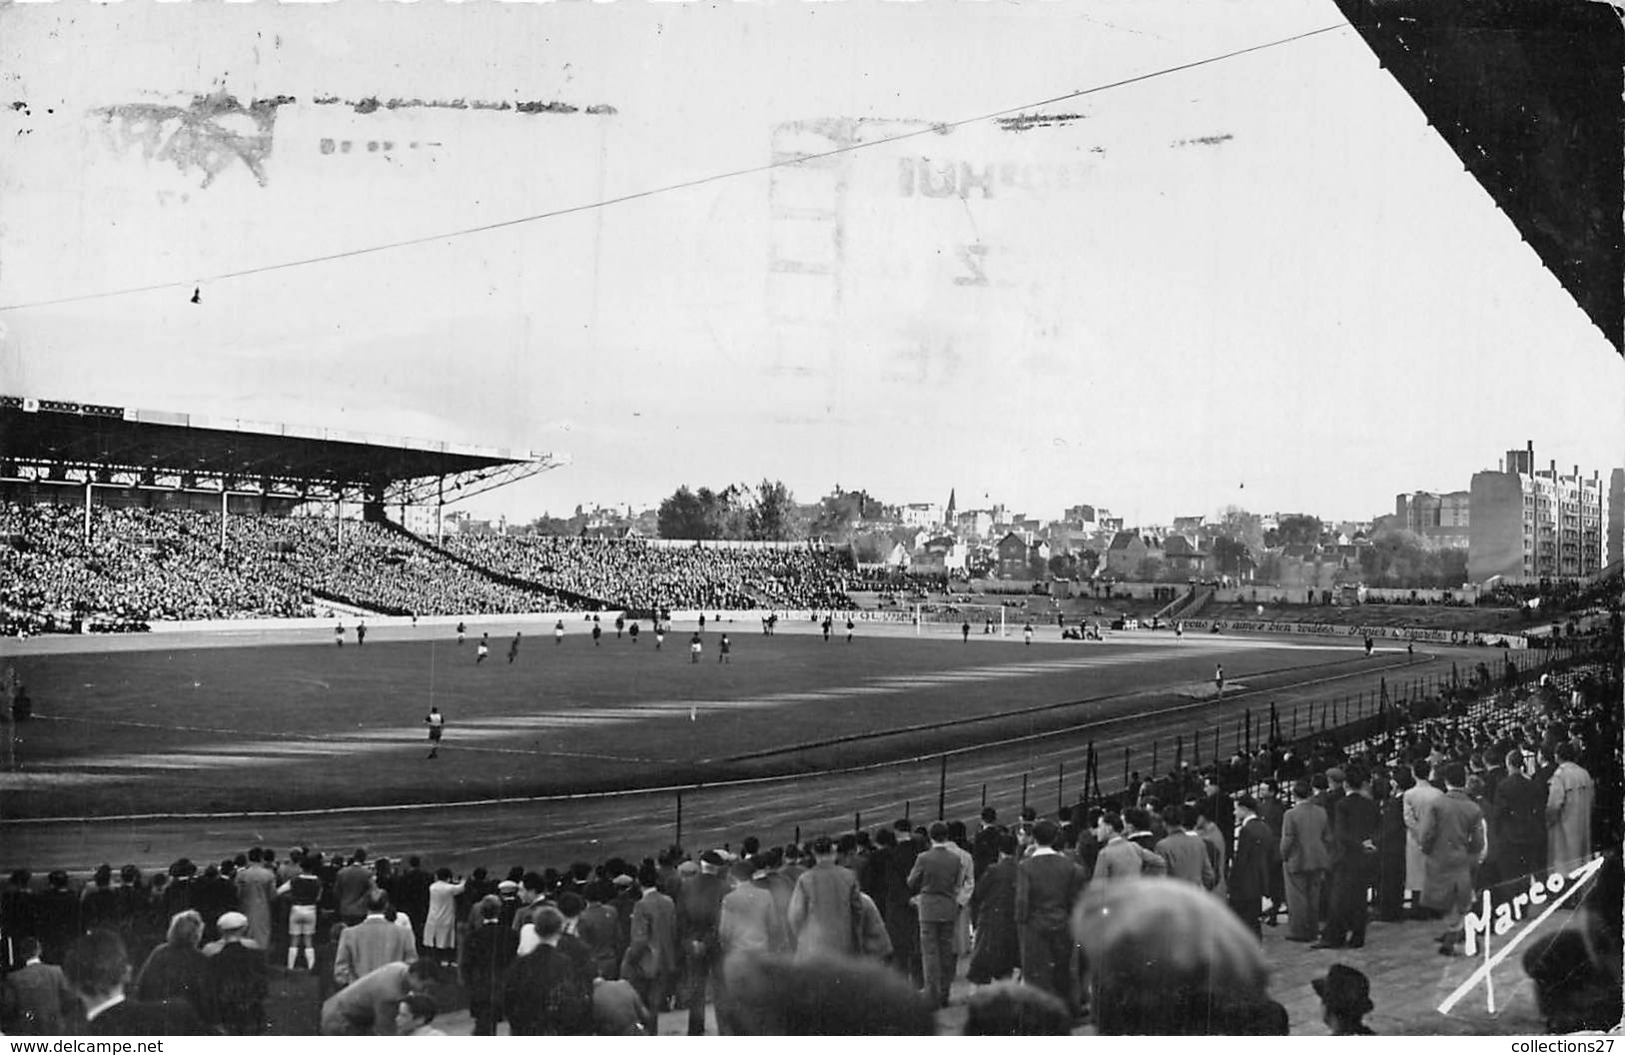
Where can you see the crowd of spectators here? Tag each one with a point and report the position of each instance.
(640, 576)
(140, 565)
(136, 565)
(1142, 913)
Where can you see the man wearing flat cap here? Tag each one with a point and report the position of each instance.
(699, 913)
(238, 977)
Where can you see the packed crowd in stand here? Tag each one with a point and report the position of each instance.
(1138, 914)
(147, 564)
(138, 564)
(376, 567)
(142, 565)
(633, 574)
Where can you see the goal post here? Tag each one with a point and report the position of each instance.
(985, 620)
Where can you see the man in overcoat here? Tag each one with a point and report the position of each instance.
(1257, 858)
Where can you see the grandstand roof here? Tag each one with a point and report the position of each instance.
(48, 439)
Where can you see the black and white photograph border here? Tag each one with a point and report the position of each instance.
(804, 518)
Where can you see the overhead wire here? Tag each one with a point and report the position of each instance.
(668, 188)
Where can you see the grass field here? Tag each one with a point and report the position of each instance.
(219, 724)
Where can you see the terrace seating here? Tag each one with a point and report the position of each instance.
(633, 574)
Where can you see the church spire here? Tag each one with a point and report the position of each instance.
(949, 513)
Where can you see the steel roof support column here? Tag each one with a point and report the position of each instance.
(440, 510)
(223, 494)
(88, 486)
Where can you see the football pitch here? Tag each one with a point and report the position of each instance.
(233, 735)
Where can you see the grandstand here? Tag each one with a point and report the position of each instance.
(115, 516)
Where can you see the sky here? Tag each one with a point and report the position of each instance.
(1261, 279)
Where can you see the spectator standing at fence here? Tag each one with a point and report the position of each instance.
(1392, 844)
(699, 917)
(1452, 837)
(256, 887)
(36, 996)
(1518, 821)
(651, 959)
(1306, 855)
(1416, 802)
(997, 951)
(1354, 854)
(964, 631)
(751, 920)
(338, 634)
(1218, 849)
(1184, 850)
(1048, 883)
(486, 955)
(372, 943)
(935, 880)
(1569, 801)
(440, 926)
(825, 913)
(238, 978)
(56, 916)
(1120, 859)
(1257, 856)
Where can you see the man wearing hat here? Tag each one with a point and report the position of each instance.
(237, 977)
(699, 915)
(56, 916)
(1345, 999)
